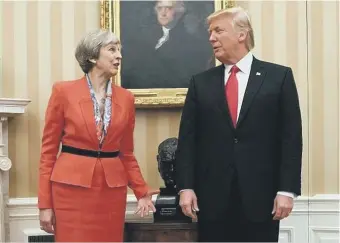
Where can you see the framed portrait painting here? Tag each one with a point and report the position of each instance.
(164, 43)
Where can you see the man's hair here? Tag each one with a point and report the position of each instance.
(240, 22)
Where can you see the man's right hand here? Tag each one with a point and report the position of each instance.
(47, 220)
(188, 203)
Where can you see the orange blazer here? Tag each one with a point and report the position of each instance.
(69, 120)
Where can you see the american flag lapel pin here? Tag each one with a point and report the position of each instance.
(258, 74)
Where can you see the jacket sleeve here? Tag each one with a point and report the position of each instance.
(52, 133)
(291, 137)
(136, 180)
(185, 153)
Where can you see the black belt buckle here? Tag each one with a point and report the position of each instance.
(98, 154)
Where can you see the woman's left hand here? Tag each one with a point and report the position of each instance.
(145, 204)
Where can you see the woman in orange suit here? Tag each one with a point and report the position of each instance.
(82, 192)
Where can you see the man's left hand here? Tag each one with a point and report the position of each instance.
(283, 206)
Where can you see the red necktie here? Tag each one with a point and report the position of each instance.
(231, 90)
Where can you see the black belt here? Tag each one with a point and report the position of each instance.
(88, 153)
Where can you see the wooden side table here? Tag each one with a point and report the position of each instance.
(160, 232)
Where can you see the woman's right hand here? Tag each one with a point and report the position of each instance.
(47, 220)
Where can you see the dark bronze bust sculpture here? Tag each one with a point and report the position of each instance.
(167, 202)
(166, 162)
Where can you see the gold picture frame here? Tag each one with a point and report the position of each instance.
(155, 97)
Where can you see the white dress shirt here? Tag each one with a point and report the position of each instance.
(244, 66)
(164, 38)
(242, 75)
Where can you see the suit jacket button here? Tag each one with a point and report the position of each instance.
(235, 140)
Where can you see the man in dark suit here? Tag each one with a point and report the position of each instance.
(238, 161)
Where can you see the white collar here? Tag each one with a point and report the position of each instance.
(244, 64)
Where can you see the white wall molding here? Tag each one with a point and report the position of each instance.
(9, 108)
(324, 234)
(309, 214)
(12, 107)
(287, 234)
(313, 220)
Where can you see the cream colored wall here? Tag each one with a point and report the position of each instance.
(38, 39)
(305, 36)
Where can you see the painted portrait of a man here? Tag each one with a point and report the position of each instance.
(164, 43)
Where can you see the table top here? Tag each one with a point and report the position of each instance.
(161, 225)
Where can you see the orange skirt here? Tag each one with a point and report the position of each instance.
(95, 214)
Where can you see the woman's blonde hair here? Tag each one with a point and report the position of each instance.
(89, 47)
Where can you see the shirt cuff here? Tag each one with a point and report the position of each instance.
(288, 194)
(184, 190)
